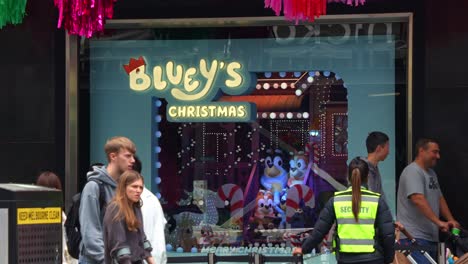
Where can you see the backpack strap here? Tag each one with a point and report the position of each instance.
(102, 194)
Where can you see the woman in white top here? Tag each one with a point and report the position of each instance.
(154, 221)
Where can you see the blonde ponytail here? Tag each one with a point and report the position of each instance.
(356, 192)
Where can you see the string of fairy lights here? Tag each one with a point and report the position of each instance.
(315, 83)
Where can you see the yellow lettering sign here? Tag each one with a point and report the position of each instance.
(209, 73)
(193, 84)
(139, 80)
(210, 112)
(236, 77)
(159, 83)
(35, 216)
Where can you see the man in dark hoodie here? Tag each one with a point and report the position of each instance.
(120, 153)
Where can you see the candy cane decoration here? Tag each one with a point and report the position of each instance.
(316, 153)
(296, 240)
(307, 148)
(314, 148)
(232, 195)
(296, 194)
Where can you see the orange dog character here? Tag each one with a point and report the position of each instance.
(264, 213)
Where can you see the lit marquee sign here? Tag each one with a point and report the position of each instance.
(191, 90)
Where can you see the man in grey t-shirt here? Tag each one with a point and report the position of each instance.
(420, 201)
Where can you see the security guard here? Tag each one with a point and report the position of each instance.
(364, 232)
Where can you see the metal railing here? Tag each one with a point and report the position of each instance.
(251, 258)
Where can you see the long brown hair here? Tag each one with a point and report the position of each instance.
(124, 205)
(49, 179)
(358, 170)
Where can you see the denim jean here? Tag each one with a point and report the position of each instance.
(418, 256)
(85, 260)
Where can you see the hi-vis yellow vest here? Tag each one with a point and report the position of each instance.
(356, 237)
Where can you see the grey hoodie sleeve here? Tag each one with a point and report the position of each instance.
(91, 223)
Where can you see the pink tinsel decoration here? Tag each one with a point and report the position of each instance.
(296, 10)
(84, 17)
(306, 10)
(275, 5)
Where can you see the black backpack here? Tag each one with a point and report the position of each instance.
(72, 224)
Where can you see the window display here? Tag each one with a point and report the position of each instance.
(243, 138)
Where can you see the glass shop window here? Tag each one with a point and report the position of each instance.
(317, 92)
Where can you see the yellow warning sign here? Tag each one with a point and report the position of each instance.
(34, 216)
